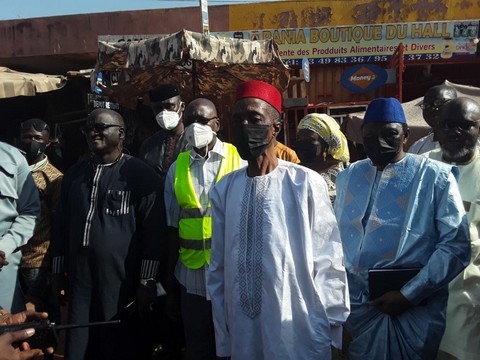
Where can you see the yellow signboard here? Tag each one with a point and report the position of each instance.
(319, 13)
(373, 43)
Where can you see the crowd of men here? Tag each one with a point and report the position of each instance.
(235, 251)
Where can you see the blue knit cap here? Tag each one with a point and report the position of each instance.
(384, 110)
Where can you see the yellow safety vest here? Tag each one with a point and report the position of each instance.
(195, 224)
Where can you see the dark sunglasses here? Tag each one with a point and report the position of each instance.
(38, 125)
(97, 127)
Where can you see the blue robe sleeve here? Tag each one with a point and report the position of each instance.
(452, 251)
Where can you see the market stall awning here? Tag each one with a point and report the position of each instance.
(15, 83)
(203, 65)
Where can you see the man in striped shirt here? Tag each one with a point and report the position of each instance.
(109, 241)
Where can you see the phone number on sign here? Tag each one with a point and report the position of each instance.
(339, 60)
(360, 59)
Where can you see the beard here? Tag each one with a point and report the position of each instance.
(459, 154)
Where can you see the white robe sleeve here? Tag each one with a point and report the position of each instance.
(216, 278)
(329, 273)
(171, 203)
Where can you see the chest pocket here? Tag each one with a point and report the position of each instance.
(8, 181)
(117, 202)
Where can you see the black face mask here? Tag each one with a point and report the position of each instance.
(382, 151)
(32, 149)
(306, 151)
(250, 140)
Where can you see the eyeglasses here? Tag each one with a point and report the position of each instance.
(37, 124)
(97, 127)
(436, 105)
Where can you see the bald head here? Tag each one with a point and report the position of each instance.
(458, 129)
(460, 108)
(434, 99)
(105, 133)
(201, 111)
(106, 116)
(442, 92)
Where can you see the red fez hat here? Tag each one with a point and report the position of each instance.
(260, 90)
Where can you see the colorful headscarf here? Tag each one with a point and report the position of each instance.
(328, 129)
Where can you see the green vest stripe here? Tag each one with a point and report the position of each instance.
(195, 244)
(194, 213)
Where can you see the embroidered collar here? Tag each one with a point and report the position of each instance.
(39, 165)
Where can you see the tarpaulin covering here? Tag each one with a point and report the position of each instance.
(14, 83)
(202, 65)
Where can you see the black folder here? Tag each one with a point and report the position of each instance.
(381, 281)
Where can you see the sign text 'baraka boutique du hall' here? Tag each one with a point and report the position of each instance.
(372, 43)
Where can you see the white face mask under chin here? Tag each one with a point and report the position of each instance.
(198, 135)
(167, 120)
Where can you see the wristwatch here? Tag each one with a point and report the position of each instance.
(150, 283)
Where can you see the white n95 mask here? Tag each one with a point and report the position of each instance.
(198, 135)
(167, 120)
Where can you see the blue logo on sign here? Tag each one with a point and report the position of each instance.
(364, 78)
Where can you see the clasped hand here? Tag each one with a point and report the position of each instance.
(392, 303)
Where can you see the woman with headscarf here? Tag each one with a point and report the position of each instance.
(322, 147)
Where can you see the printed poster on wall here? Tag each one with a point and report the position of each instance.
(433, 40)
